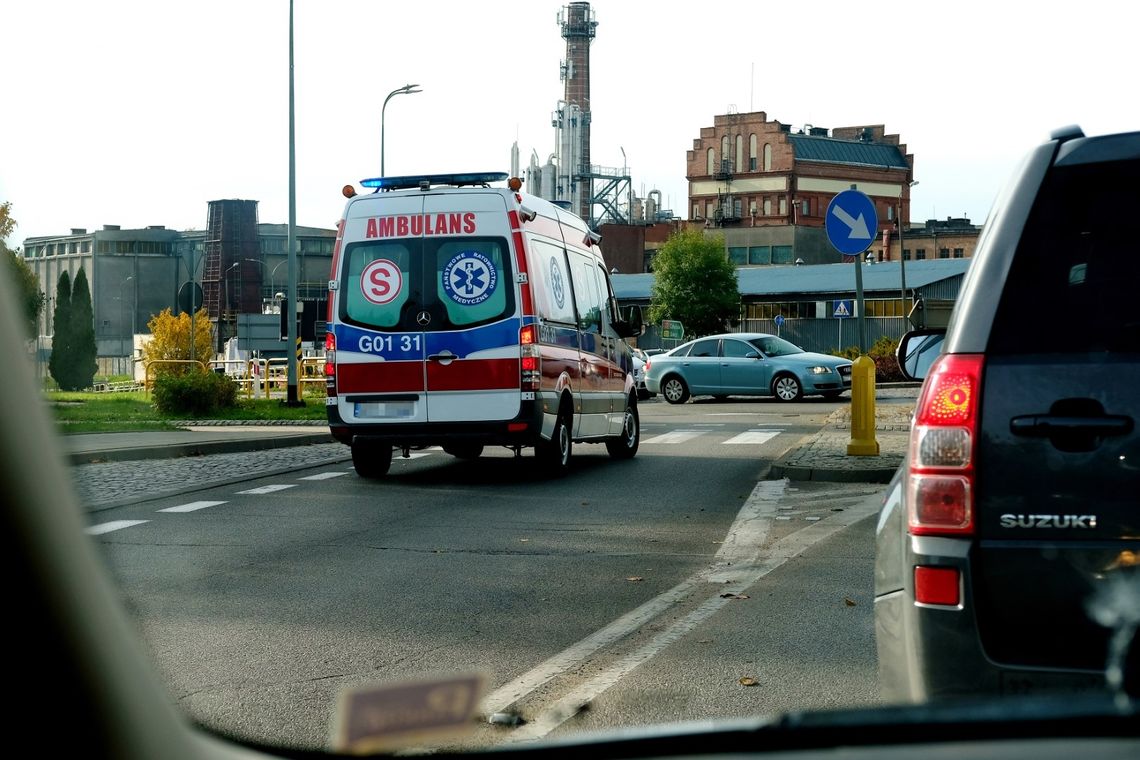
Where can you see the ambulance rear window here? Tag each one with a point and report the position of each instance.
(426, 284)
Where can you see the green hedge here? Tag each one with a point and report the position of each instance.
(195, 394)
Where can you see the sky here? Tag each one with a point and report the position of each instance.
(139, 113)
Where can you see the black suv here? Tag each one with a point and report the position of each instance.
(1008, 549)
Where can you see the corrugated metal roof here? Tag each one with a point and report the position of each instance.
(760, 282)
(808, 148)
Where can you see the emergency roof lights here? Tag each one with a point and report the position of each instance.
(425, 181)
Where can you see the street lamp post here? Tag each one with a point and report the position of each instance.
(226, 284)
(902, 256)
(273, 275)
(122, 348)
(407, 89)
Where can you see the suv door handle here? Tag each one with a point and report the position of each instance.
(443, 357)
(1048, 425)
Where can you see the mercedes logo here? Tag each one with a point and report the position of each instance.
(423, 318)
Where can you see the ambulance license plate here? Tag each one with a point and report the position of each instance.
(384, 409)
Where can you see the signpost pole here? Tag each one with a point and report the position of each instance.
(859, 304)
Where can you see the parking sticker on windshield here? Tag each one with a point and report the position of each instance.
(470, 278)
(381, 281)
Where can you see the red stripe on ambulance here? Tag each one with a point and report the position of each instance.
(380, 377)
(473, 375)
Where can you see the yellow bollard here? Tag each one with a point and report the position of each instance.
(863, 443)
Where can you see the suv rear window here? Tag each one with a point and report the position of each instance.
(1074, 284)
(459, 282)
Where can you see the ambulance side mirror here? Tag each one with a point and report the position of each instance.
(627, 324)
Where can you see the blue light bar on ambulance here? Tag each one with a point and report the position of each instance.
(427, 180)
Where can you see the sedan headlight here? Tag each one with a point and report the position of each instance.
(821, 370)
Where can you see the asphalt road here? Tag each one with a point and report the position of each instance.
(641, 590)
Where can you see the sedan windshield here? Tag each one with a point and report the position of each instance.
(773, 346)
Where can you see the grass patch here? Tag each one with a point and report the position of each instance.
(81, 412)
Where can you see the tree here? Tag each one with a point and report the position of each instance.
(58, 365)
(31, 298)
(694, 283)
(172, 338)
(83, 348)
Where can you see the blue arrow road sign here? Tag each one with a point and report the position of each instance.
(852, 222)
(779, 320)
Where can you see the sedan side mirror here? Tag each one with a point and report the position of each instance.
(753, 355)
(917, 351)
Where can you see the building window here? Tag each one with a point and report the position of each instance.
(919, 254)
(781, 254)
(752, 153)
(710, 210)
(783, 206)
(711, 169)
(696, 211)
(737, 206)
(959, 253)
(906, 254)
(738, 255)
(752, 208)
(759, 254)
(724, 148)
(104, 246)
(943, 253)
(807, 208)
(767, 206)
(890, 213)
(767, 157)
(740, 150)
(883, 308)
(85, 247)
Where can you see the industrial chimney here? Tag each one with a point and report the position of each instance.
(578, 29)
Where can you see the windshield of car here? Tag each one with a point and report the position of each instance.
(320, 456)
(773, 346)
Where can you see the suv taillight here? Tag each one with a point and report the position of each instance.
(940, 482)
(531, 359)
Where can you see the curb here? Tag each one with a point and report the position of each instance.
(173, 450)
(822, 475)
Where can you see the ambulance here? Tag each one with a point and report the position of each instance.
(464, 316)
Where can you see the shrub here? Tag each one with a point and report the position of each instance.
(882, 352)
(195, 394)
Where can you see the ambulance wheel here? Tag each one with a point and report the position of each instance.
(464, 450)
(624, 446)
(554, 455)
(371, 460)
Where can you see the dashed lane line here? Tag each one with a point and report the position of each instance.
(193, 506)
(107, 527)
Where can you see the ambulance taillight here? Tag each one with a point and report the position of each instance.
(330, 355)
(531, 359)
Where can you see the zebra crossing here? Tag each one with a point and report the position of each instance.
(755, 436)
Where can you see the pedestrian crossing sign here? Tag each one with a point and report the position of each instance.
(842, 309)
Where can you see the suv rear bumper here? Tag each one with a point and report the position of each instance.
(929, 652)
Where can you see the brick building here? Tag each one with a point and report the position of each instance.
(766, 187)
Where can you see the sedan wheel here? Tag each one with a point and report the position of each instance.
(674, 390)
(787, 388)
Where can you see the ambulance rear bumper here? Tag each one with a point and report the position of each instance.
(522, 430)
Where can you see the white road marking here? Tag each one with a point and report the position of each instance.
(323, 476)
(677, 436)
(786, 548)
(748, 532)
(269, 489)
(193, 506)
(754, 436)
(107, 527)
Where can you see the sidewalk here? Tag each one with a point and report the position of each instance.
(196, 438)
(823, 456)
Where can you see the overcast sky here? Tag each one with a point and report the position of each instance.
(138, 113)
